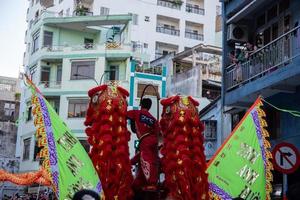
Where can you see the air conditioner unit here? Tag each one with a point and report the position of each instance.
(237, 33)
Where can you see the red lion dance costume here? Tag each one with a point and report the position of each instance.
(184, 160)
(108, 136)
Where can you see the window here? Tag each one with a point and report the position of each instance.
(26, 149)
(60, 1)
(77, 108)
(28, 111)
(32, 2)
(9, 109)
(48, 37)
(68, 12)
(104, 11)
(135, 19)
(114, 73)
(61, 13)
(54, 102)
(82, 70)
(37, 149)
(35, 42)
(150, 91)
(88, 43)
(146, 45)
(37, 1)
(58, 74)
(85, 145)
(45, 74)
(210, 131)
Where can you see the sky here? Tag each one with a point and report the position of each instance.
(12, 33)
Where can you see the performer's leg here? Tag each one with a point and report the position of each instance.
(149, 161)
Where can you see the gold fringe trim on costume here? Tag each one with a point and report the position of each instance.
(267, 146)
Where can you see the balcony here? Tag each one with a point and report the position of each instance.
(170, 4)
(170, 31)
(82, 13)
(194, 36)
(269, 70)
(156, 70)
(50, 84)
(190, 8)
(121, 50)
(262, 62)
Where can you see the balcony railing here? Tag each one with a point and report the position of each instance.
(156, 70)
(50, 84)
(194, 36)
(82, 13)
(194, 9)
(169, 31)
(265, 60)
(169, 4)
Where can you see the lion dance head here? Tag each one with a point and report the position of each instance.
(183, 159)
(108, 135)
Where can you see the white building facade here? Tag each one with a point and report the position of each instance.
(159, 26)
(93, 37)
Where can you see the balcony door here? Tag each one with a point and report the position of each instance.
(113, 72)
(45, 76)
(48, 39)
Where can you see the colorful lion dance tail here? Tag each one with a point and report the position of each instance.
(108, 135)
(184, 160)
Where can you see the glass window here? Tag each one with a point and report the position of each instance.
(210, 131)
(26, 149)
(82, 70)
(58, 74)
(45, 74)
(114, 73)
(35, 42)
(9, 109)
(48, 37)
(104, 11)
(77, 108)
(60, 1)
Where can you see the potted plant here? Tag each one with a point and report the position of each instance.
(177, 2)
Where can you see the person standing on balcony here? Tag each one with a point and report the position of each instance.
(146, 128)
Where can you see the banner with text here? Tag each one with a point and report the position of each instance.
(241, 167)
(63, 157)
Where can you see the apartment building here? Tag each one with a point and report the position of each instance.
(159, 26)
(69, 53)
(270, 69)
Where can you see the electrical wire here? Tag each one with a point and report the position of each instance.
(295, 113)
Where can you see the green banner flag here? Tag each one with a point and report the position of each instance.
(67, 163)
(241, 167)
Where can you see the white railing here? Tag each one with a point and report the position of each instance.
(50, 84)
(169, 4)
(265, 60)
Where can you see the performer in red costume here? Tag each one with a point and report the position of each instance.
(147, 129)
